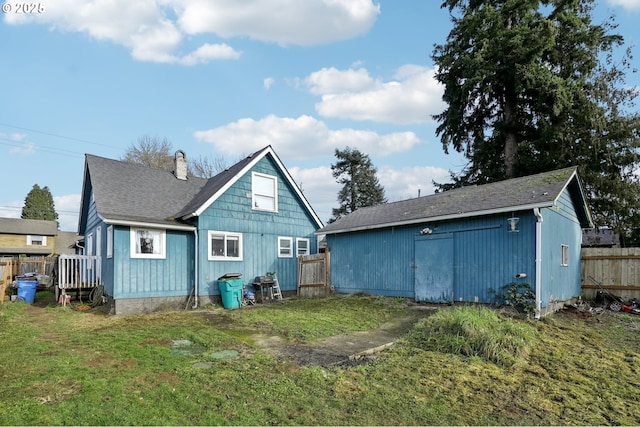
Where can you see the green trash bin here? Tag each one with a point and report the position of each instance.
(231, 290)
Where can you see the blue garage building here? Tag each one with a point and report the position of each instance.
(459, 244)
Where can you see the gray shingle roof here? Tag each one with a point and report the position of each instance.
(28, 226)
(539, 190)
(214, 185)
(129, 192)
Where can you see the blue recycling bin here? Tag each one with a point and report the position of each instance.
(230, 286)
(27, 290)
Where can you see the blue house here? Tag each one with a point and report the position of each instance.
(163, 237)
(457, 245)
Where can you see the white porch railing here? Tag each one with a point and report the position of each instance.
(79, 271)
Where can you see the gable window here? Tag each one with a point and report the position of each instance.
(225, 246)
(36, 240)
(264, 190)
(148, 243)
(285, 247)
(565, 255)
(302, 247)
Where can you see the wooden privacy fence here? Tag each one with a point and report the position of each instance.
(617, 269)
(313, 275)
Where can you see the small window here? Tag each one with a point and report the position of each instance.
(302, 247)
(565, 255)
(89, 244)
(264, 192)
(110, 241)
(225, 246)
(285, 247)
(148, 243)
(36, 240)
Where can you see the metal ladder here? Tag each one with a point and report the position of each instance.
(277, 293)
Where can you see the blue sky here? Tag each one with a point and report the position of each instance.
(223, 78)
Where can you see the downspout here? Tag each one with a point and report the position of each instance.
(195, 281)
(538, 214)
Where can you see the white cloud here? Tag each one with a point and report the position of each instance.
(301, 138)
(321, 189)
(626, 4)
(408, 182)
(154, 30)
(308, 22)
(412, 97)
(19, 143)
(268, 82)
(68, 208)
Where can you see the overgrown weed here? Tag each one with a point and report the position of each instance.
(475, 331)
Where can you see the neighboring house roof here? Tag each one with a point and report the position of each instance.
(28, 226)
(517, 194)
(65, 242)
(130, 194)
(600, 237)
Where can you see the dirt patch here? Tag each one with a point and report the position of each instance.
(345, 349)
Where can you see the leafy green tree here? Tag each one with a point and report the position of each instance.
(532, 86)
(39, 205)
(360, 186)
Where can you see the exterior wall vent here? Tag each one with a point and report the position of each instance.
(180, 165)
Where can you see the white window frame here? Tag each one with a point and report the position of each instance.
(110, 241)
(159, 240)
(261, 191)
(98, 251)
(226, 235)
(88, 246)
(282, 250)
(35, 238)
(305, 251)
(564, 253)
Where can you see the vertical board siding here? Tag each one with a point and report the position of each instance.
(560, 226)
(260, 230)
(142, 278)
(377, 262)
(486, 256)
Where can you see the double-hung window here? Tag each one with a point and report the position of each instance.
(264, 190)
(225, 246)
(302, 246)
(285, 247)
(564, 249)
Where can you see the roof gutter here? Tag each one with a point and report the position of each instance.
(148, 224)
(538, 214)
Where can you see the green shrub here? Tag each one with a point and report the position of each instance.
(474, 331)
(517, 295)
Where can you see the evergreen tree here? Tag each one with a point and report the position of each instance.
(39, 205)
(360, 186)
(532, 86)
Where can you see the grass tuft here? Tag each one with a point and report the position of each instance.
(475, 332)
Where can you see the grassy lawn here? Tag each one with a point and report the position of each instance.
(463, 365)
